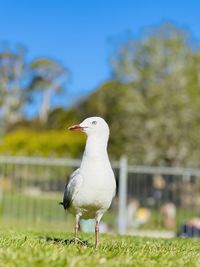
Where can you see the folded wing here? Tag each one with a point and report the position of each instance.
(71, 188)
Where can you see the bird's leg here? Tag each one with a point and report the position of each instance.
(98, 218)
(97, 234)
(76, 227)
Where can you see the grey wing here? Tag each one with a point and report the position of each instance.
(71, 188)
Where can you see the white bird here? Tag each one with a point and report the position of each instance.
(90, 189)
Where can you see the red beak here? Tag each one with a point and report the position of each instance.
(75, 128)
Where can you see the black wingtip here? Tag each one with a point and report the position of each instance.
(62, 203)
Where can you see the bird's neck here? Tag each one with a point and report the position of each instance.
(96, 148)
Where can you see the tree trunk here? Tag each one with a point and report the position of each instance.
(45, 106)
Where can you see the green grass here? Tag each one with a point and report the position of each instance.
(22, 249)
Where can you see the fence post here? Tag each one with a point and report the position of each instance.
(122, 216)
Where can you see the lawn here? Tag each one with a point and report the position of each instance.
(30, 248)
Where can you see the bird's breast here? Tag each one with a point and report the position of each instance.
(98, 187)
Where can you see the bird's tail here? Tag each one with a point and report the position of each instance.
(62, 204)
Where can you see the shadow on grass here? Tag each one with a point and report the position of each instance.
(73, 241)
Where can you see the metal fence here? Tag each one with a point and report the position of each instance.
(147, 197)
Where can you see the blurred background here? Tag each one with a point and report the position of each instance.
(137, 65)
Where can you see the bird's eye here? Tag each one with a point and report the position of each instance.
(94, 122)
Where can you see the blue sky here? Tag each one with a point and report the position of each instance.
(76, 32)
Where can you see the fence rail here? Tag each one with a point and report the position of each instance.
(164, 170)
(147, 197)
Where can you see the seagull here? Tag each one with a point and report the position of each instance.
(90, 189)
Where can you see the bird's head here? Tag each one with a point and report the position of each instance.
(92, 126)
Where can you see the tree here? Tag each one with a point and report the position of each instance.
(153, 103)
(13, 82)
(20, 79)
(48, 78)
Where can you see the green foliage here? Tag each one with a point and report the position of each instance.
(46, 143)
(31, 248)
(59, 117)
(153, 106)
